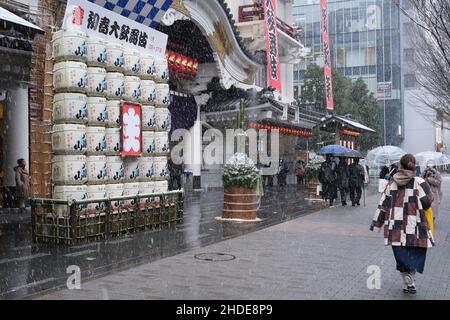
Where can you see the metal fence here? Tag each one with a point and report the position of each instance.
(72, 222)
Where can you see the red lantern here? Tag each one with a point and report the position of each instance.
(184, 62)
(171, 59)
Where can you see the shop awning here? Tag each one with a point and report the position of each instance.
(9, 17)
(333, 123)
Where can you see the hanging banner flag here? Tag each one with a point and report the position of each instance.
(273, 59)
(112, 27)
(326, 56)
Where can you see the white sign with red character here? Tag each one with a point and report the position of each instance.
(131, 130)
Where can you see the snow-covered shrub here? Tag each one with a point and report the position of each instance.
(240, 172)
(312, 169)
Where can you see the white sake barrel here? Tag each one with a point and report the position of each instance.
(162, 70)
(132, 61)
(132, 88)
(146, 188)
(115, 190)
(70, 76)
(69, 45)
(160, 187)
(130, 189)
(96, 51)
(96, 140)
(70, 108)
(69, 139)
(96, 81)
(114, 168)
(148, 92)
(162, 95)
(115, 85)
(148, 66)
(96, 192)
(148, 118)
(161, 167)
(146, 169)
(69, 169)
(162, 142)
(113, 110)
(163, 119)
(131, 168)
(113, 145)
(115, 57)
(148, 142)
(96, 169)
(97, 113)
(68, 193)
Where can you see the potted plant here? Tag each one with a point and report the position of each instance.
(241, 180)
(312, 171)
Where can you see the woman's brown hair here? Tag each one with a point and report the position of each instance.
(408, 162)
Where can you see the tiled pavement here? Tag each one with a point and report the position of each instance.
(320, 256)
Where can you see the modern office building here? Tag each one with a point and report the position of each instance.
(365, 38)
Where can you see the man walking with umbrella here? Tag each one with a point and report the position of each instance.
(342, 182)
(328, 179)
(356, 181)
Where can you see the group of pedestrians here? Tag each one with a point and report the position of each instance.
(348, 179)
(282, 173)
(403, 213)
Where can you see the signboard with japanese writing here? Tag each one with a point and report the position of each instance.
(384, 90)
(273, 62)
(99, 22)
(131, 130)
(326, 55)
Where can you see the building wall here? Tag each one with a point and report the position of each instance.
(41, 98)
(420, 133)
(365, 42)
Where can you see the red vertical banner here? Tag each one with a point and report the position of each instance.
(273, 58)
(326, 55)
(131, 130)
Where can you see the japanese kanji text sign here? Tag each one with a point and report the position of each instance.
(273, 62)
(326, 55)
(99, 22)
(131, 130)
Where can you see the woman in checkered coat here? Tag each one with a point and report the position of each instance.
(401, 211)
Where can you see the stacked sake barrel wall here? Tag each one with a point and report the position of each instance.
(92, 79)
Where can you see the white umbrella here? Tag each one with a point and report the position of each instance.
(384, 155)
(434, 158)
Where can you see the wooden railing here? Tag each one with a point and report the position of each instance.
(255, 12)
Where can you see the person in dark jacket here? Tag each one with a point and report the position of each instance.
(22, 184)
(328, 179)
(356, 181)
(342, 179)
(282, 173)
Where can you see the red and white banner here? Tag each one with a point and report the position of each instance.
(326, 55)
(131, 130)
(273, 59)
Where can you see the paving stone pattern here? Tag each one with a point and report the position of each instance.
(324, 255)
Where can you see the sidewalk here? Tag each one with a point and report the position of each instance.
(27, 268)
(320, 256)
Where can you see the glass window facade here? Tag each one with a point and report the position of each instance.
(365, 43)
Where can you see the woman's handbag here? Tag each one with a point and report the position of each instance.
(382, 184)
(429, 217)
